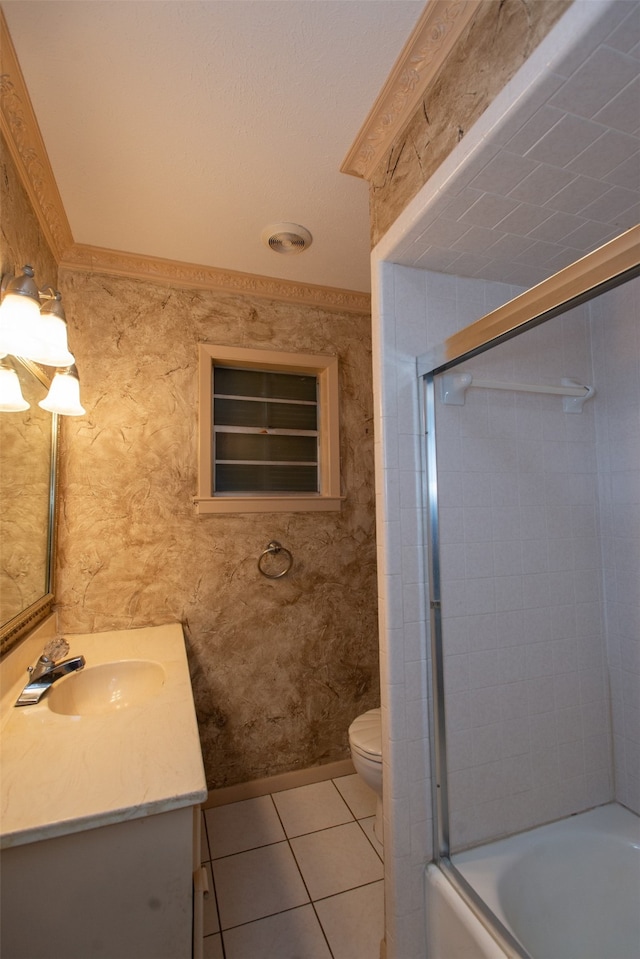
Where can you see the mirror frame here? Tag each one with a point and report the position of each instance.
(16, 627)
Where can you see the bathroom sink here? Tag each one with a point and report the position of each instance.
(106, 688)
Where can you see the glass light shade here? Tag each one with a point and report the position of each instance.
(64, 394)
(51, 348)
(11, 398)
(19, 322)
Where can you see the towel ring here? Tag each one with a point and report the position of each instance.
(272, 550)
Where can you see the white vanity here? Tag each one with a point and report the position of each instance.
(100, 791)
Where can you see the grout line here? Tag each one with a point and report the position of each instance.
(311, 832)
(359, 821)
(369, 840)
(322, 828)
(241, 852)
(314, 832)
(362, 885)
(287, 839)
(269, 915)
(315, 912)
(303, 881)
(203, 827)
(346, 802)
(213, 883)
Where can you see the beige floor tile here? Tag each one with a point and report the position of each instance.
(336, 859)
(258, 883)
(359, 797)
(212, 947)
(295, 934)
(309, 808)
(353, 922)
(242, 825)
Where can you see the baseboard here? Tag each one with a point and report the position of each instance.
(275, 784)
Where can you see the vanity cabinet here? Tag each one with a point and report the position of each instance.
(123, 891)
(100, 799)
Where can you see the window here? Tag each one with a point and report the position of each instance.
(268, 431)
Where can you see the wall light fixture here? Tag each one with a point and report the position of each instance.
(64, 393)
(11, 398)
(33, 326)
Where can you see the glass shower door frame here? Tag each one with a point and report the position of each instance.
(609, 266)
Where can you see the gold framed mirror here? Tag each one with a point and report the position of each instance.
(28, 488)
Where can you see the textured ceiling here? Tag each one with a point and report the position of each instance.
(181, 129)
(552, 170)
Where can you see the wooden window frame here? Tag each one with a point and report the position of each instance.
(325, 368)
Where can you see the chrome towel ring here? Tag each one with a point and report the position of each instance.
(266, 563)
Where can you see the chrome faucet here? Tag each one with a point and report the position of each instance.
(48, 671)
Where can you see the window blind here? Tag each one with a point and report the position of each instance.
(265, 426)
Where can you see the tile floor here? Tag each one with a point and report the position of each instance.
(295, 875)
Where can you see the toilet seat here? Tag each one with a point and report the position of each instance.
(365, 735)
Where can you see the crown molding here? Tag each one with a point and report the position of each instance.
(20, 128)
(422, 56)
(94, 259)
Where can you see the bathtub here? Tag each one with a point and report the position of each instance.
(568, 890)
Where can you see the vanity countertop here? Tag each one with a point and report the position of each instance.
(67, 773)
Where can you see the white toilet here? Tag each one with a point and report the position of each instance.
(365, 740)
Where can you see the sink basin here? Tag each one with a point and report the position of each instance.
(106, 688)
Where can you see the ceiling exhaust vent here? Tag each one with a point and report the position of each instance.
(286, 238)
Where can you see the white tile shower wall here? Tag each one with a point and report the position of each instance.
(525, 668)
(417, 310)
(615, 330)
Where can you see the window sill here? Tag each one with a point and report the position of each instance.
(267, 504)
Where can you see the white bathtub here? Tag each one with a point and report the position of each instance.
(569, 890)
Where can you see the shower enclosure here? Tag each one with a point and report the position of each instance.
(563, 703)
(531, 418)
